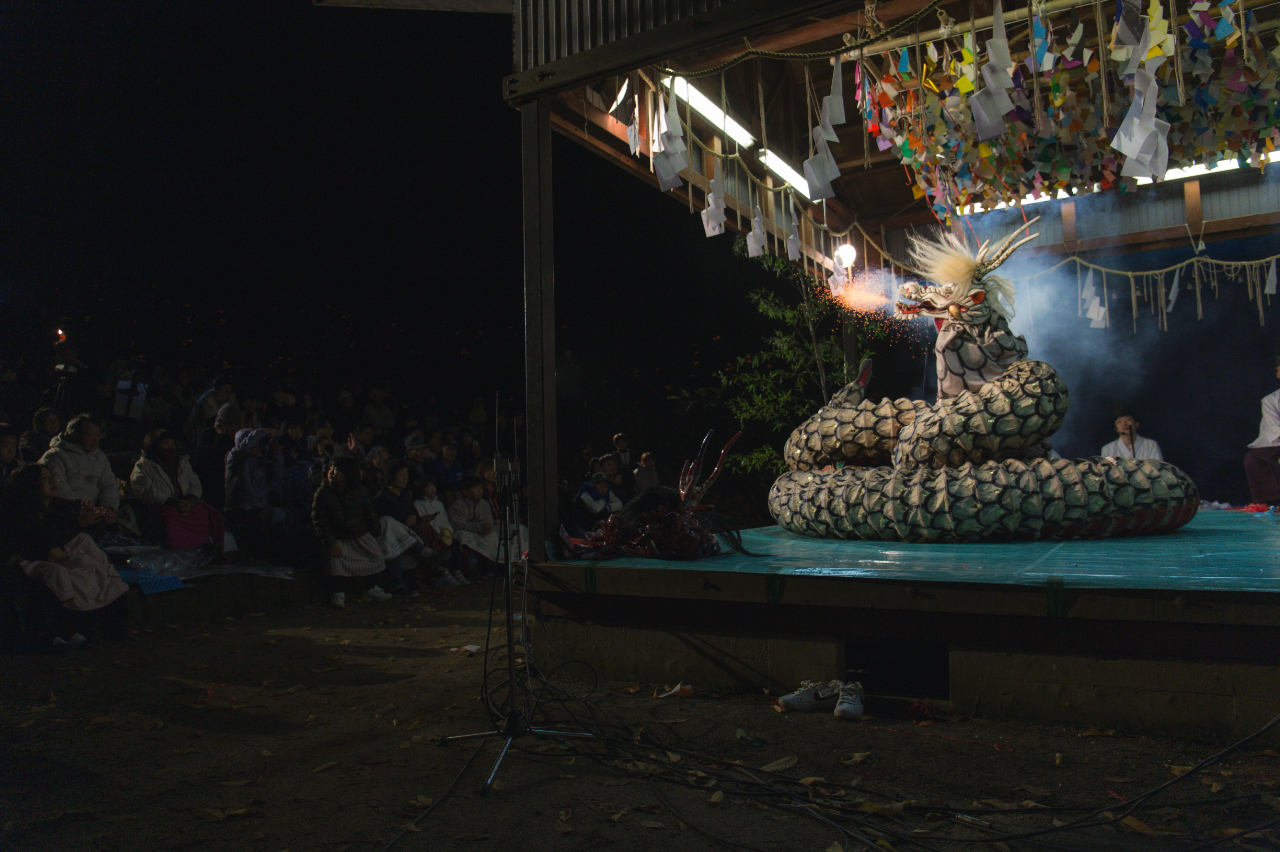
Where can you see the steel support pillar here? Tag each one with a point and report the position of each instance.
(539, 326)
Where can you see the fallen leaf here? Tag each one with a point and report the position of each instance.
(408, 826)
(1135, 824)
(648, 823)
(1179, 770)
(884, 844)
(717, 797)
(322, 767)
(565, 815)
(780, 764)
(835, 847)
(421, 802)
(1057, 759)
(857, 758)
(811, 780)
(673, 757)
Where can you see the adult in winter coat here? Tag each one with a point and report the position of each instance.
(48, 534)
(163, 480)
(81, 468)
(346, 522)
(254, 469)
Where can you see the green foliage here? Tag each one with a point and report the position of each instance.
(802, 365)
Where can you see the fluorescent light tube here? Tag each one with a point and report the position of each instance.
(782, 169)
(707, 109)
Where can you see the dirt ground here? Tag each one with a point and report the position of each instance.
(302, 728)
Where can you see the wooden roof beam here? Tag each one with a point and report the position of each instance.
(808, 34)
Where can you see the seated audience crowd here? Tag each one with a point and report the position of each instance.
(390, 499)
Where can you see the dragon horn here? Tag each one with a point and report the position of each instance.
(689, 475)
(1008, 252)
(1001, 252)
(982, 251)
(702, 489)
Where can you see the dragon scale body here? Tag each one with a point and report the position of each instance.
(973, 466)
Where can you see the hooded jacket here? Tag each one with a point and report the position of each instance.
(250, 478)
(151, 483)
(81, 475)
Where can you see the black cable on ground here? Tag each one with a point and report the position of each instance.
(435, 804)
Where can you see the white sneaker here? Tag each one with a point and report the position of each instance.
(376, 593)
(339, 600)
(460, 578)
(850, 704)
(812, 695)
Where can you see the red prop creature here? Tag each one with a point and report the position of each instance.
(663, 523)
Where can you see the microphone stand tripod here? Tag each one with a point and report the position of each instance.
(516, 723)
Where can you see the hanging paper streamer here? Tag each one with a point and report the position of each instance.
(669, 157)
(837, 279)
(1094, 309)
(756, 236)
(1173, 291)
(793, 239)
(713, 217)
(821, 169)
(834, 103)
(1142, 137)
(1270, 289)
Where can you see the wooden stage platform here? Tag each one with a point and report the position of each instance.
(1178, 632)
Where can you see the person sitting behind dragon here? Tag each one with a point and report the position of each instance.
(970, 307)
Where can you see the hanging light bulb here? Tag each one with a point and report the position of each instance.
(846, 255)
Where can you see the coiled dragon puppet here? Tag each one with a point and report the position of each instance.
(975, 465)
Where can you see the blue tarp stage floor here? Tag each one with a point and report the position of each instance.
(1218, 551)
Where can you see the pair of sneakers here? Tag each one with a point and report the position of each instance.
(843, 698)
(374, 593)
(449, 580)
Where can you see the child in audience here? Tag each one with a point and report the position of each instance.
(472, 521)
(647, 473)
(346, 522)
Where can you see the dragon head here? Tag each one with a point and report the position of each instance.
(966, 290)
(943, 302)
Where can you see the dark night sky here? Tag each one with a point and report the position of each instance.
(236, 178)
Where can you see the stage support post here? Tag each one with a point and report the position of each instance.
(539, 325)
